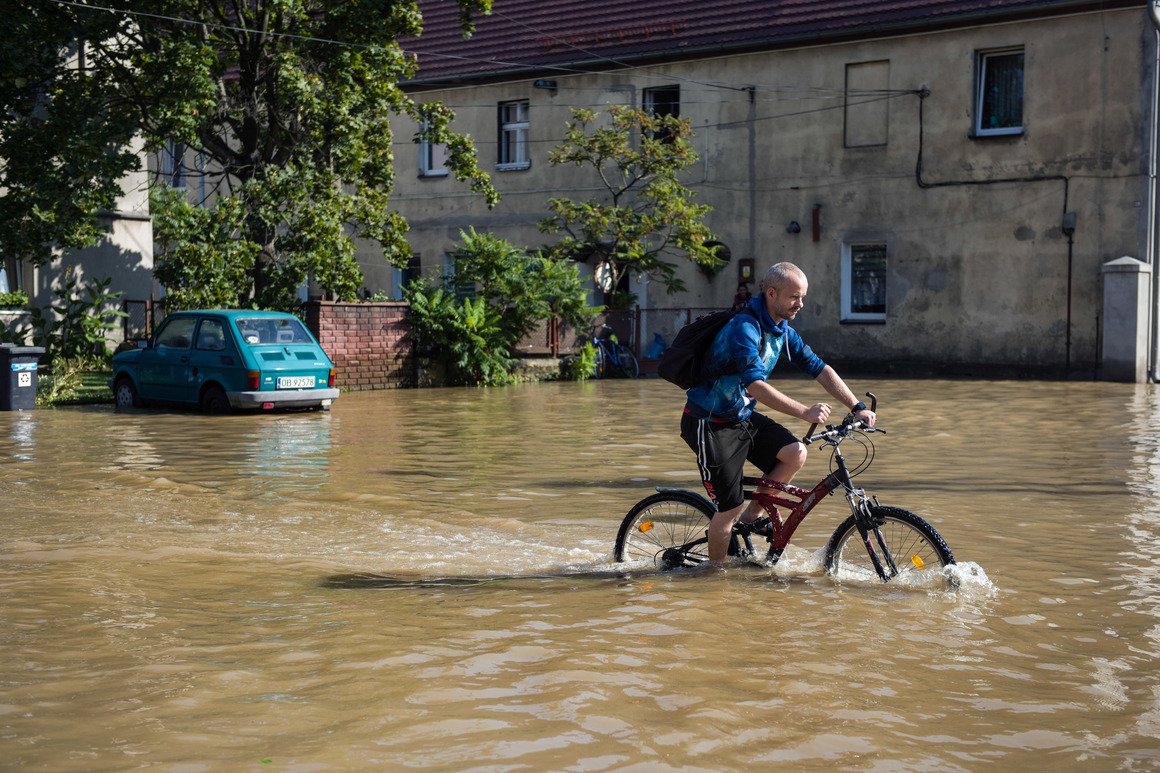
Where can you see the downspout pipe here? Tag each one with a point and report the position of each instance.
(1153, 253)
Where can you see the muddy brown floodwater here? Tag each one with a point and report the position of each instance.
(422, 580)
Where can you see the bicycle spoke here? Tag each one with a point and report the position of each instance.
(901, 540)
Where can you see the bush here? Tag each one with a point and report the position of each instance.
(14, 298)
(580, 366)
(510, 293)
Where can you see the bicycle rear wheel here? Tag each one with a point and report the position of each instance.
(627, 362)
(912, 543)
(668, 530)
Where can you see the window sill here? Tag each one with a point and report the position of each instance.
(863, 320)
(513, 167)
(992, 133)
(433, 174)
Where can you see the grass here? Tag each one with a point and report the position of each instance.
(73, 387)
(94, 387)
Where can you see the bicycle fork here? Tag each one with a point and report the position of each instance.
(871, 535)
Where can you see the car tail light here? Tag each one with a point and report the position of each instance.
(253, 380)
(330, 380)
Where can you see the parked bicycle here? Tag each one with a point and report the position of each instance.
(613, 356)
(669, 529)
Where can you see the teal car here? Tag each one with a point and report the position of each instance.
(221, 360)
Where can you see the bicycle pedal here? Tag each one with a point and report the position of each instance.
(761, 526)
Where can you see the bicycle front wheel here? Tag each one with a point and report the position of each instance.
(667, 530)
(627, 362)
(912, 544)
(601, 362)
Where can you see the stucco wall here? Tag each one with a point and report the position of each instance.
(977, 270)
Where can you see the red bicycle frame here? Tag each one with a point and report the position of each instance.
(796, 512)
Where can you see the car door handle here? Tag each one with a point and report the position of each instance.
(185, 358)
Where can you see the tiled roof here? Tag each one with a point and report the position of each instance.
(546, 36)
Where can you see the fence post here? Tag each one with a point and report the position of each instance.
(636, 333)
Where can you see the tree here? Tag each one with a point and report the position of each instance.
(288, 101)
(474, 337)
(647, 214)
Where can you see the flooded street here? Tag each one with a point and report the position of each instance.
(422, 580)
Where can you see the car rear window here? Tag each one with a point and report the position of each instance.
(272, 330)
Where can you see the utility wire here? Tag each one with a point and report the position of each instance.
(645, 72)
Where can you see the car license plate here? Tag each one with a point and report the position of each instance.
(295, 382)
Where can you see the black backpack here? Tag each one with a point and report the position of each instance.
(683, 363)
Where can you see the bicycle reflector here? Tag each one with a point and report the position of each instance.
(918, 562)
(646, 526)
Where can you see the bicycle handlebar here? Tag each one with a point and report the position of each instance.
(847, 425)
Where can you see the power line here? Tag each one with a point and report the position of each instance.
(644, 72)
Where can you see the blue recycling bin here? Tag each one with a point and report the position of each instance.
(18, 377)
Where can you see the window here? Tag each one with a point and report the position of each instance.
(999, 98)
(172, 166)
(460, 289)
(432, 158)
(401, 277)
(662, 101)
(513, 136)
(10, 278)
(211, 336)
(177, 334)
(864, 282)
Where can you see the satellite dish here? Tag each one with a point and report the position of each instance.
(605, 276)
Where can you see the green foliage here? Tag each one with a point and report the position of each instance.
(295, 132)
(525, 289)
(637, 158)
(199, 264)
(59, 383)
(14, 298)
(458, 334)
(579, 366)
(474, 337)
(72, 381)
(76, 331)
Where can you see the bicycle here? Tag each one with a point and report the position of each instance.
(670, 528)
(611, 353)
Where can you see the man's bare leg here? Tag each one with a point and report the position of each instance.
(719, 530)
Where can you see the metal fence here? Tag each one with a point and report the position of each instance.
(646, 331)
(141, 318)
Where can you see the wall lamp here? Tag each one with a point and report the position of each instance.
(549, 86)
(793, 228)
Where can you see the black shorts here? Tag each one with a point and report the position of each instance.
(723, 448)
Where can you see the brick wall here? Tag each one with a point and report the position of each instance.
(368, 343)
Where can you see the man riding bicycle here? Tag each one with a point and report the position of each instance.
(719, 422)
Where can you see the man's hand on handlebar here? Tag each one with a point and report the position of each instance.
(866, 416)
(817, 413)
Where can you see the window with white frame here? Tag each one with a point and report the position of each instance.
(864, 282)
(513, 136)
(999, 93)
(432, 158)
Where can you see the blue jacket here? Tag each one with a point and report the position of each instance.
(754, 349)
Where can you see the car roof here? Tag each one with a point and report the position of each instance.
(231, 313)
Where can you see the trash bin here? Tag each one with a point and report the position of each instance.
(18, 377)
